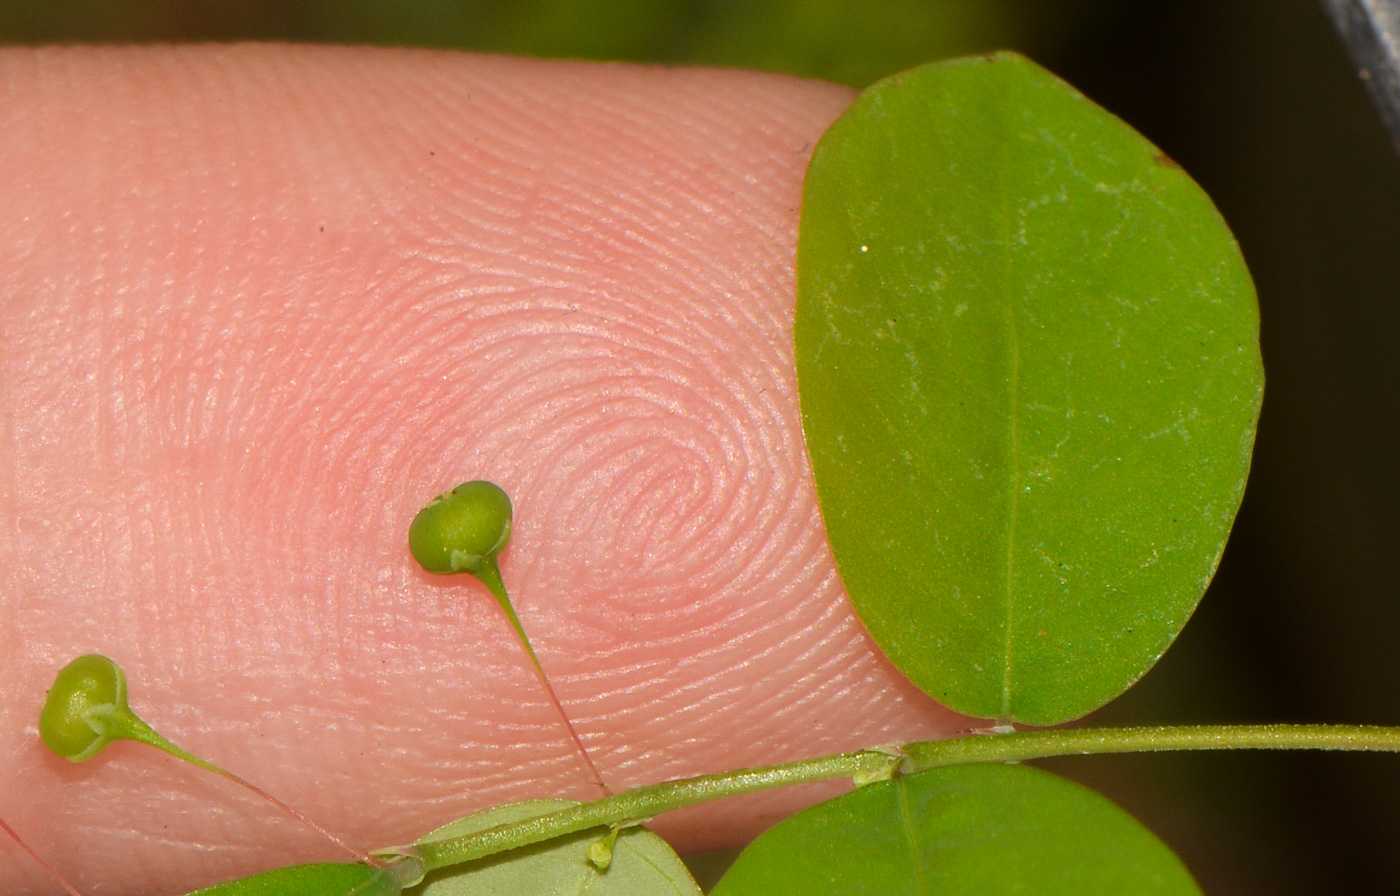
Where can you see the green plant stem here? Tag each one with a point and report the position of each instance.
(646, 802)
(490, 575)
(642, 803)
(1022, 745)
(128, 725)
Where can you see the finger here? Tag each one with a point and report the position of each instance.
(261, 303)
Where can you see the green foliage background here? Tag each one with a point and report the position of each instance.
(1256, 99)
(842, 40)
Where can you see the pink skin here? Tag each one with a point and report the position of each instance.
(259, 304)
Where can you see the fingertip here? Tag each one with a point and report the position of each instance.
(269, 299)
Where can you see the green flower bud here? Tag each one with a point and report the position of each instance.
(86, 709)
(462, 530)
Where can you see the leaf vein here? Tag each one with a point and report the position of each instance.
(907, 818)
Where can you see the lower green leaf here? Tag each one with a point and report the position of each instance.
(641, 863)
(322, 879)
(977, 830)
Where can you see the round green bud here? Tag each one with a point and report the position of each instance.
(462, 530)
(84, 708)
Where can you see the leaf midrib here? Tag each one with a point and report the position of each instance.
(1013, 435)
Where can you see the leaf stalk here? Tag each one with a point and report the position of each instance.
(873, 764)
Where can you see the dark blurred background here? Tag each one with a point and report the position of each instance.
(1256, 99)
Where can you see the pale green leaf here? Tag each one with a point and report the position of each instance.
(972, 830)
(1028, 362)
(642, 863)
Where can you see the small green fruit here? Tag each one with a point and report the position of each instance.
(462, 530)
(86, 708)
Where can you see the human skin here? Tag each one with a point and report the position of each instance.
(259, 304)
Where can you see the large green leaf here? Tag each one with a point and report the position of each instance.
(642, 863)
(322, 879)
(1027, 354)
(971, 830)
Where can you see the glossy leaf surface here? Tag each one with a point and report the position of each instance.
(1027, 355)
(322, 879)
(642, 863)
(972, 830)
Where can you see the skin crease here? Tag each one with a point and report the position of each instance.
(259, 304)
